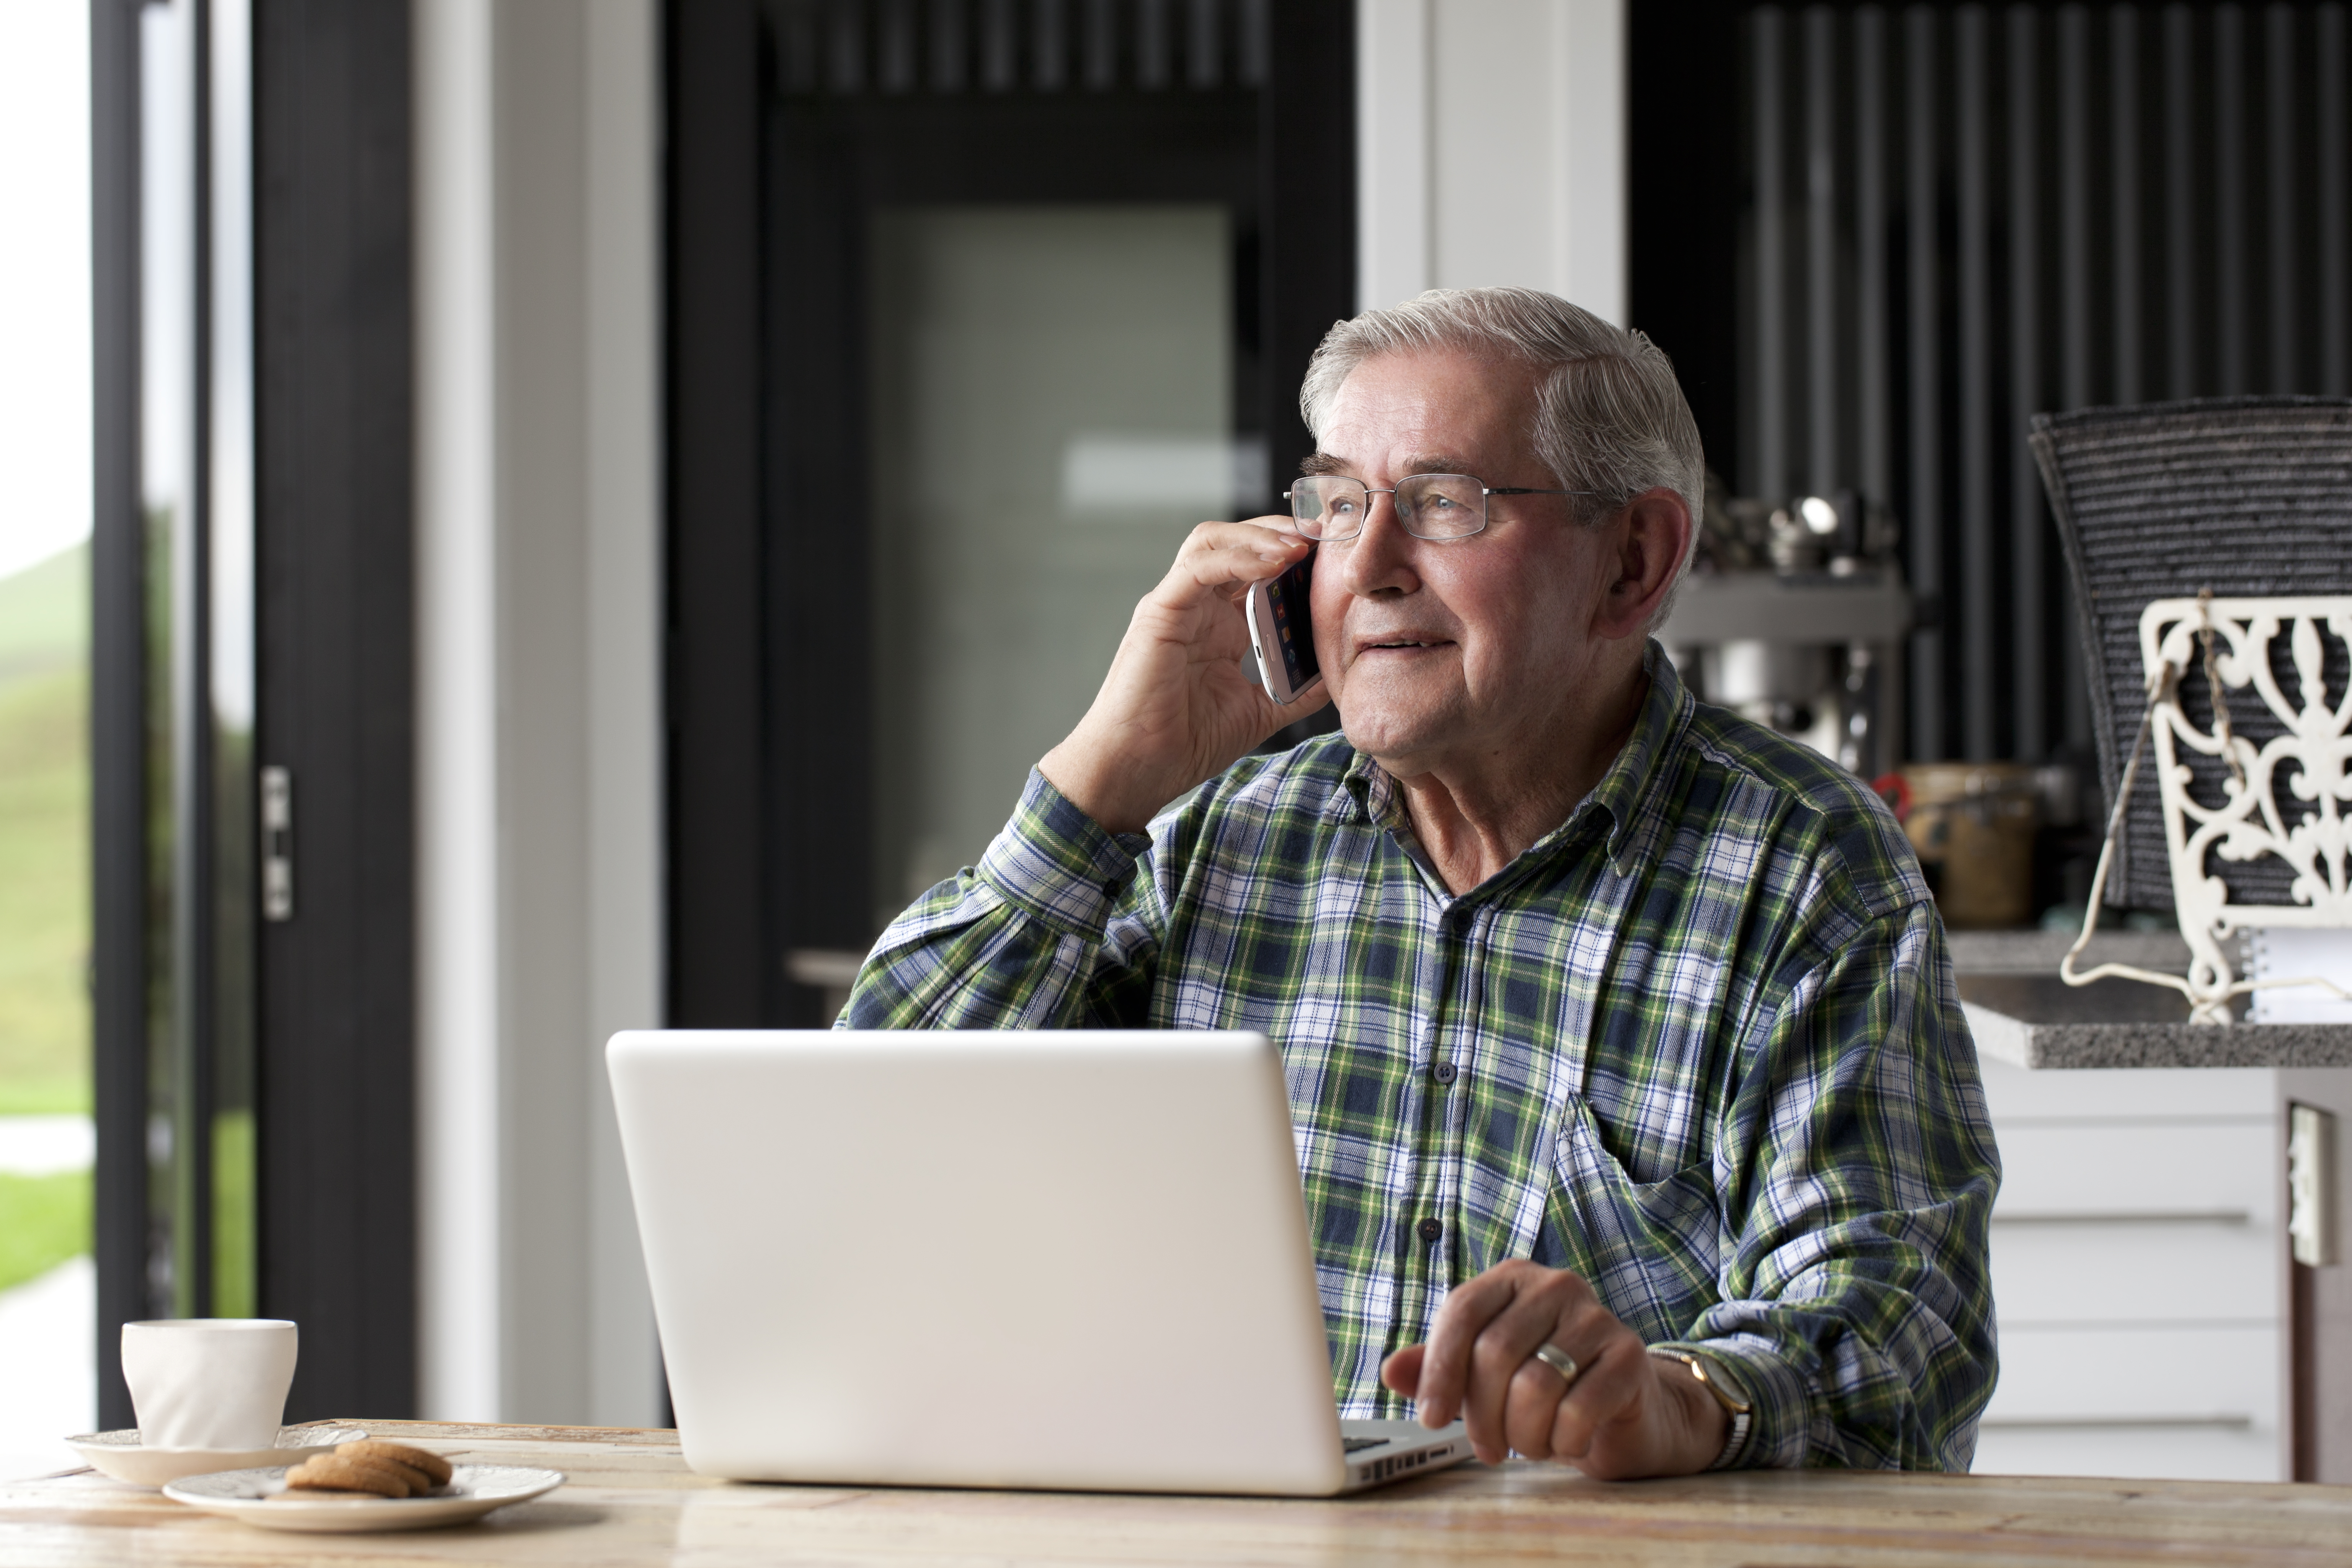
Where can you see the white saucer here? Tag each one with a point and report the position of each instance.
(120, 1453)
(252, 1496)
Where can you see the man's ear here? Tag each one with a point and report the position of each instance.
(1651, 535)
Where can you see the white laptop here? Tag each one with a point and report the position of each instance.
(1038, 1258)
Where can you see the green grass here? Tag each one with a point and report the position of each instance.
(44, 893)
(43, 1220)
(232, 1216)
(44, 615)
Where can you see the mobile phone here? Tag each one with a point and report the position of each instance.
(1282, 633)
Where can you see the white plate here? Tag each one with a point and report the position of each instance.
(121, 1455)
(252, 1496)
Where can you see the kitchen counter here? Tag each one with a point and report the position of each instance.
(2022, 1013)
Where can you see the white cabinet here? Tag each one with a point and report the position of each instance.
(2139, 1270)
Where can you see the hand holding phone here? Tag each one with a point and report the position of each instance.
(1282, 633)
(1177, 706)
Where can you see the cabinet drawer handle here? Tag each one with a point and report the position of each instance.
(2128, 1216)
(2110, 1423)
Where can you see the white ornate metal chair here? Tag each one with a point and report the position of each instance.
(2233, 642)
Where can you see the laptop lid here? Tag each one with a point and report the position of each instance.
(1052, 1259)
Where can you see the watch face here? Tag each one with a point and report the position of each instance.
(1726, 1386)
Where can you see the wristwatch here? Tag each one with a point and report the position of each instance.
(1718, 1380)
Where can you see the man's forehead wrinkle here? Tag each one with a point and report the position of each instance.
(1422, 463)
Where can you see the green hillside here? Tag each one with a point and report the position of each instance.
(44, 615)
(44, 837)
(44, 893)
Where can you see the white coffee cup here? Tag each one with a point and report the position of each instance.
(209, 1382)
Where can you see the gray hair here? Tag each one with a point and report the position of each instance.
(1610, 416)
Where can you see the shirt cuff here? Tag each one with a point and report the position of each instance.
(1776, 1399)
(1057, 862)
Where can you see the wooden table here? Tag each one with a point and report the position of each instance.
(631, 1501)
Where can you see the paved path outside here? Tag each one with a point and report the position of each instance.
(48, 1368)
(42, 1145)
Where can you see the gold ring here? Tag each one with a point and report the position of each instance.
(1559, 1361)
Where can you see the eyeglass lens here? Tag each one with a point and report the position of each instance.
(1431, 506)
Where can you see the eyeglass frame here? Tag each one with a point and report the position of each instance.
(1485, 490)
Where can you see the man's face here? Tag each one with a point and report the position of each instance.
(1440, 651)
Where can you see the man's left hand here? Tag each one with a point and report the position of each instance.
(1626, 1413)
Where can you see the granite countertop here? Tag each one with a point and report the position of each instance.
(2021, 1013)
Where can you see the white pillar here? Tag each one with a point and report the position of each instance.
(459, 1211)
(539, 715)
(1492, 148)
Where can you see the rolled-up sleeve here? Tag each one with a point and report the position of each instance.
(1057, 927)
(1857, 1171)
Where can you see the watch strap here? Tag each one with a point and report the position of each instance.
(1725, 1389)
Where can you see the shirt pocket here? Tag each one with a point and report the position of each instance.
(1648, 1248)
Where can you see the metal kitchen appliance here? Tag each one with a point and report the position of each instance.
(1795, 616)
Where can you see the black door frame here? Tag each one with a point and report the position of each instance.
(335, 1158)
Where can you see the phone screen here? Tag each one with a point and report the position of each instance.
(1294, 629)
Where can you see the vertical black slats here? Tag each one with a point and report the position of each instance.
(1769, 476)
(1098, 45)
(2282, 192)
(1873, 389)
(2229, 226)
(2083, 203)
(2125, 242)
(118, 705)
(333, 546)
(1825, 378)
(1254, 57)
(799, 45)
(2075, 381)
(845, 47)
(895, 45)
(1971, 84)
(2074, 206)
(1049, 63)
(950, 46)
(1922, 198)
(2335, 252)
(719, 948)
(2027, 679)
(1000, 45)
(2180, 204)
(1203, 52)
(1155, 45)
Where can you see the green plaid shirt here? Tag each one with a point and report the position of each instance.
(1699, 1044)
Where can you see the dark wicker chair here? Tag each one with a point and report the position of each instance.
(2246, 496)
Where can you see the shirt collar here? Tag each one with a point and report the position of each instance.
(1620, 794)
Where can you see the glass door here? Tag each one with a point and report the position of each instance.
(1052, 407)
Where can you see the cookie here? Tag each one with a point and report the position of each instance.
(435, 1469)
(334, 1472)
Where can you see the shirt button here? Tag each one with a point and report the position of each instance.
(1443, 1072)
(1431, 1230)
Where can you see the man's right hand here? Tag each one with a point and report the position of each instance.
(1177, 706)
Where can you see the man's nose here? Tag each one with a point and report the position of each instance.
(1380, 558)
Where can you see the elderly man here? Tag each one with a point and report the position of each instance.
(1638, 1124)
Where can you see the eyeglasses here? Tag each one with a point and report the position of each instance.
(1431, 506)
